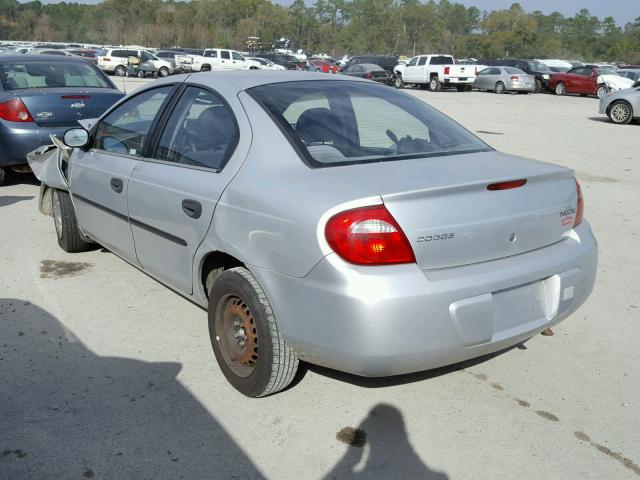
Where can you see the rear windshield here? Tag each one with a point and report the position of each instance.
(441, 60)
(344, 123)
(22, 75)
(513, 70)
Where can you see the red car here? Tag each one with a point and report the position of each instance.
(316, 65)
(581, 80)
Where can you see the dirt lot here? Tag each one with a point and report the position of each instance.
(106, 374)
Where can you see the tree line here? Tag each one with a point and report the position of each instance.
(328, 26)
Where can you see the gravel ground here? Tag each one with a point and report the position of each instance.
(106, 374)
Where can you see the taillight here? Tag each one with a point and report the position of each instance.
(515, 77)
(579, 207)
(507, 185)
(370, 75)
(15, 110)
(106, 59)
(447, 70)
(368, 236)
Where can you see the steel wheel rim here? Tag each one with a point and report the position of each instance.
(236, 335)
(620, 112)
(433, 84)
(57, 215)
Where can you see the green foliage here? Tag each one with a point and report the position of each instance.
(331, 26)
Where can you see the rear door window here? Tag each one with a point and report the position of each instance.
(201, 131)
(225, 54)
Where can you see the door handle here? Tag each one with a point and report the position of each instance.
(192, 208)
(116, 185)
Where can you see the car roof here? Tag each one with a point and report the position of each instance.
(245, 79)
(39, 57)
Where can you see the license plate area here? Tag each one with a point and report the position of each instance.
(518, 309)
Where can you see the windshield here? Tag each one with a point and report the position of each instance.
(536, 66)
(354, 122)
(607, 71)
(22, 75)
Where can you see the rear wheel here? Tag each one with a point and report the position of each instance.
(620, 112)
(141, 74)
(163, 72)
(205, 68)
(120, 71)
(245, 337)
(435, 85)
(500, 88)
(561, 89)
(398, 82)
(602, 91)
(64, 219)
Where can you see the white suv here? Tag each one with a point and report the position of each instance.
(115, 60)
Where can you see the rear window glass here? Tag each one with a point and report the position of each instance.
(515, 71)
(356, 122)
(21, 75)
(441, 60)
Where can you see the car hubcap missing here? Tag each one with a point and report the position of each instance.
(619, 113)
(57, 215)
(237, 335)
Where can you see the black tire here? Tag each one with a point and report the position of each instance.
(602, 91)
(205, 68)
(561, 88)
(141, 74)
(423, 86)
(538, 86)
(258, 363)
(620, 112)
(500, 88)
(163, 72)
(120, 71)
(3, 176)
(398, 82)
(435, 85)
(460, 88)
(66, 225)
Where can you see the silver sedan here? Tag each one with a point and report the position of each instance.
(323, 219)
(505, 79)
(622, 106)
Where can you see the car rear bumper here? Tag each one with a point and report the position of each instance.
(520, 87)
(382, 321)
(460, 81)
(18, 139)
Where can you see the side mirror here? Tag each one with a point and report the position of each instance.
(76, 138)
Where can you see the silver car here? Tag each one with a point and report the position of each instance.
(622, 106)
(505, 79)
(325, 219)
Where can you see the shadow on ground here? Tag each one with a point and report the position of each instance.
(18, 178)
(7, 200)
(68, 413)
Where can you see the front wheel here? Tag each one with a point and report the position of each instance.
(500, 89)
(245, 337)
(64, 219)
(398, 82)
(205, 68)
(120, 71)
(163, 72)
(602, 91)
(561, 89)
(435, 85)
(620, 112)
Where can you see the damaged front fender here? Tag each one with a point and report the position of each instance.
(50, 165)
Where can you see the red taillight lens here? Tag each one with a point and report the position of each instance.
(579, 207)
(106, 59)
(447, 70)
(370, 75)
(368, 236)
(515, 77)
(507, 185)
(15, 110)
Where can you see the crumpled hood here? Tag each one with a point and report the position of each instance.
(616, 82)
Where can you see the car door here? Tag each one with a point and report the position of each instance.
(173, 194)
(410, 74)
(482, 79)
(225, 60)
(238, 62)
(99, 176)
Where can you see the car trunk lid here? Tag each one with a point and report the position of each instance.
(59, 107)
(452, 218)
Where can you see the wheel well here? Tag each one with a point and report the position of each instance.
(214, 261)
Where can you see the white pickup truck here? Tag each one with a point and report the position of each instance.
(215, 59)
(435, 72)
